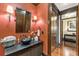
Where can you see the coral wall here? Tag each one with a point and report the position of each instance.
(42, 14)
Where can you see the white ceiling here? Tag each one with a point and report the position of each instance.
(63, 6)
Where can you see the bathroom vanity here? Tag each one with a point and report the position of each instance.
(33, 49)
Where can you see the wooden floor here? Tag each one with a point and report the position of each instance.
(64, 50)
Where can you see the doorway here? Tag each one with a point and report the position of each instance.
(69, 40)
(62, 32)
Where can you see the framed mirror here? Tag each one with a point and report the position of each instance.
(23, 21)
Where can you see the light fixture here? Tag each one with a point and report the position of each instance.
(34, 19)
(10, 11)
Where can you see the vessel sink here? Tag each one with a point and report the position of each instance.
(26, 41)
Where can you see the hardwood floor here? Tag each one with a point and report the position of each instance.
(64, 50)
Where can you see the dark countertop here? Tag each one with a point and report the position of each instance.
(19, 47)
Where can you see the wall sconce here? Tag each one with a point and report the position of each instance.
(34, 19)
(10, 12)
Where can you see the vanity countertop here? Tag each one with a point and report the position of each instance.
(19, 47)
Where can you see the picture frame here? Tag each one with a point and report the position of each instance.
(71, 26)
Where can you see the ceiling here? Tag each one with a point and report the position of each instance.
(63, 6)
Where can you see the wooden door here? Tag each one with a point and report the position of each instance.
(77, 30)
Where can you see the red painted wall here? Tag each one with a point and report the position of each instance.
(1, 50)
(42, 14)
(8, 28)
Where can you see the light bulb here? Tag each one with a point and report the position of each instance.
(35, 17)
(10, 9)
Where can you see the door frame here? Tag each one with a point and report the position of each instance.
(77, 30)
(55, 9)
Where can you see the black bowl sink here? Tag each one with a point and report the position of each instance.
(26, 41)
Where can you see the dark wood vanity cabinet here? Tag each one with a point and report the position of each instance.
(34, 49)
(23, 21)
